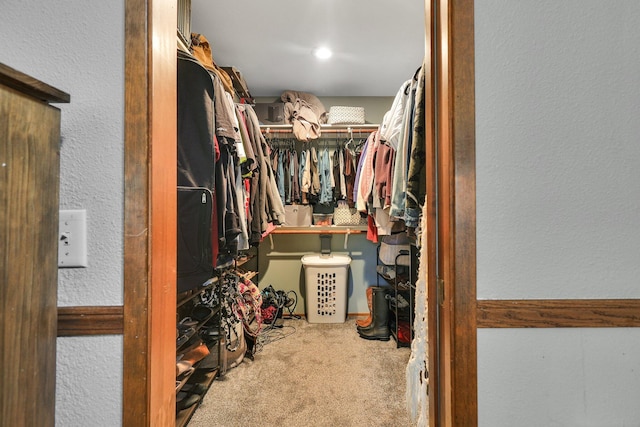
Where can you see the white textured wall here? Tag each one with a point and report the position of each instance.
(558, 377)
(78, 47)
(558, 196)
(89, 381)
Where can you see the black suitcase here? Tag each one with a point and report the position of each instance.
(195, 126)
(195, 255)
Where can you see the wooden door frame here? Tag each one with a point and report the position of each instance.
(452, 290)
(150, 157)
(150, 213)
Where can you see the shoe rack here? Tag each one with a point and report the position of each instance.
(198, 337)
(401, 276)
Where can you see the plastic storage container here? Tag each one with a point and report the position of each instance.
(326, 287)
(322, 219)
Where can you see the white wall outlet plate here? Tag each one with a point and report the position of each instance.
(72, 238)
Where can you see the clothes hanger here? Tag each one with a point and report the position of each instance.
(350, 141)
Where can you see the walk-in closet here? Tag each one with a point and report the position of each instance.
(301, 188)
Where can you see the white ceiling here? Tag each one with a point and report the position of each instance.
(377, 44)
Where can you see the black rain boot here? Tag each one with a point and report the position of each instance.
(379, 327)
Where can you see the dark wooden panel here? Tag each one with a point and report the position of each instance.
(462, 75)
(581, 313)
(29, 176)
(136, 383)
(23, 83)
(97, 320)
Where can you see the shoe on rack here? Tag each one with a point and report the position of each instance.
(197, 388)
(398, 303)
(185, 400)
(386, 271)
(201, 312)
(183, 335)
(404, 286)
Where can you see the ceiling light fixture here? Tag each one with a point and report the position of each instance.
(322, 52)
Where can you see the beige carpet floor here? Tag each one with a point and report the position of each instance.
(311, 375)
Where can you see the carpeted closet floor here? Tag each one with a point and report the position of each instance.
(308, 375)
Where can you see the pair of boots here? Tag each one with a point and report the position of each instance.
(376, 326)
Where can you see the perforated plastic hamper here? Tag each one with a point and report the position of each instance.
(326, 287)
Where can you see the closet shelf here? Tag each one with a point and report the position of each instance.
(197, 292)
(239, 84)
(244, 260)
(249, 275)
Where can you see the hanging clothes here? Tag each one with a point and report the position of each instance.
(349, 176)
(314, 189)
(399, 187)
(325, 174)
(363, 154)
(383, 176)
(367, 173)
(227, 204)
(304, 174)
(336, 173)
(416, 176)
(295, 181)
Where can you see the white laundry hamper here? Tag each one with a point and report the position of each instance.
(326, 278)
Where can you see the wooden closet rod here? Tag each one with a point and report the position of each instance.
(323, 129)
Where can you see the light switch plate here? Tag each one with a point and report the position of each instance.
(72, 238)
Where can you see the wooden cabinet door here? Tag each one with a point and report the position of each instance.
(29, 187)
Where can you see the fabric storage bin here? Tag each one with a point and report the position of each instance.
(390, 247)
(297, 215)
(341, 115)
(326, 287)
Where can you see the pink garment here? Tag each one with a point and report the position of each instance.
(365, 184)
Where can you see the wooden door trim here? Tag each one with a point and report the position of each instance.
(90, 320)
(559, 313)
(456, 212)
(149, 213)
(148, 291)
(430, 201)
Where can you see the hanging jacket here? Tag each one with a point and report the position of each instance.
(305, 177)
(399, 186)
(393, 120)
(367, 173)
(363, 155)
(416, 176)
(325, 172)
(314, 189)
